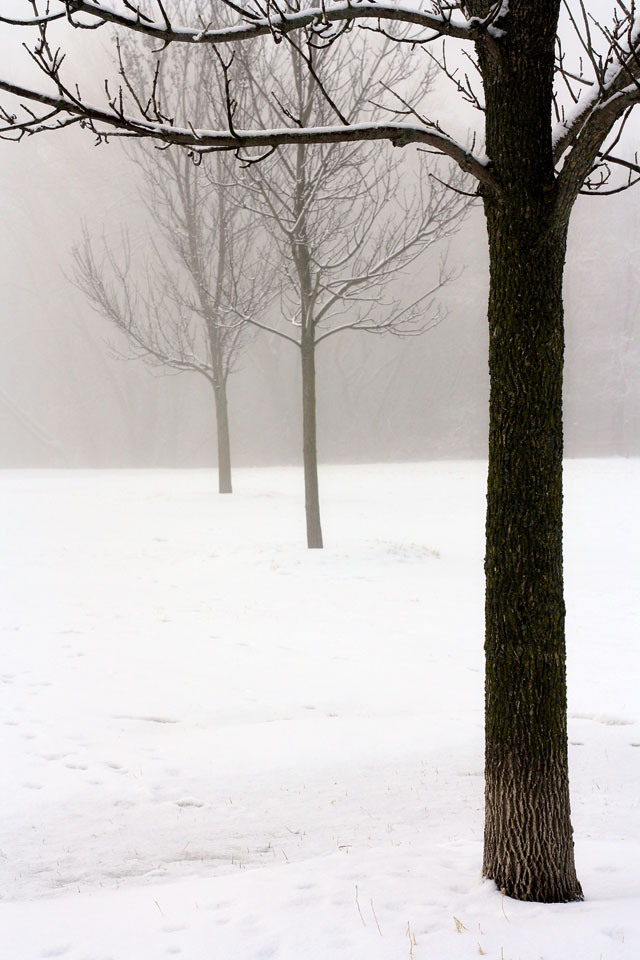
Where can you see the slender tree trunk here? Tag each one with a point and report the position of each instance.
(224, 446)
(528, 835)
(309, 442)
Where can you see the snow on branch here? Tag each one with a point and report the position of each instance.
(604, 101)
(268, 17)
(68, 108)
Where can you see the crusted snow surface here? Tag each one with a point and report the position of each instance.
(217, 744)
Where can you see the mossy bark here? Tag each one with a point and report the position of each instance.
(528, 835)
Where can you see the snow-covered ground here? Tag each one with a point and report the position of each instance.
(218, 745)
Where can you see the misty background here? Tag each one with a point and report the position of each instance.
(66, 400)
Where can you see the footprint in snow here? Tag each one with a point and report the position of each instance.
(266, 951)
(156, 719)
(607, 721)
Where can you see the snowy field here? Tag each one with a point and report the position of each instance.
(217, 745)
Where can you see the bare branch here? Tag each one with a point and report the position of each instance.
(276, 22)
(119, 124)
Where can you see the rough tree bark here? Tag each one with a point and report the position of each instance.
(528, 834)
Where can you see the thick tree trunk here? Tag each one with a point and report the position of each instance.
(224, 445)
(528, 835)
(309, 443)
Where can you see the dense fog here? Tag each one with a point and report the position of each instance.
(66, 399)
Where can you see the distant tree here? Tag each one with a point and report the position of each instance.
(183, 313)
(552, 127)
(344, 221)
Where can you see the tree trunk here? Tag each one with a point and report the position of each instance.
(224, 446)
(528, 834)
(309, 442)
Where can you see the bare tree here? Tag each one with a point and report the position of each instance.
(344, 221)
(182, 315)
(553, 126)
